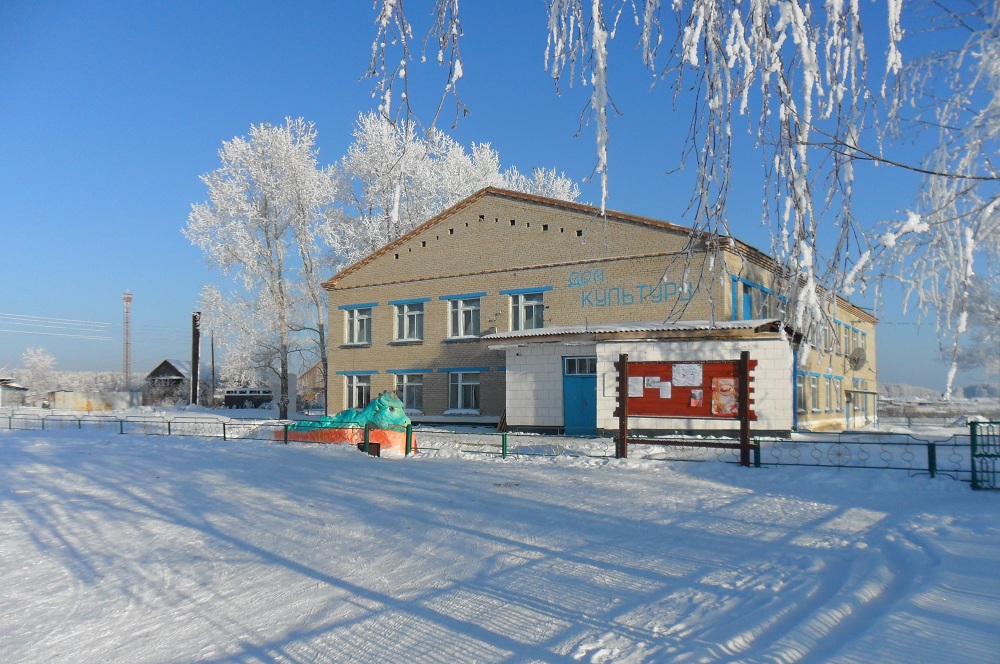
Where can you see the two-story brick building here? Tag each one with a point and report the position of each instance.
(502, 302)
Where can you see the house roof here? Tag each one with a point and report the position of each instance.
(513, 195)
(744, 250)
(679, 328)
(181, 367)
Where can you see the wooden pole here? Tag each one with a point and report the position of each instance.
(743, 378)
(621, 450)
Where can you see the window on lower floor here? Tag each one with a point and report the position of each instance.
(838, 392)
(800, 393)
(814, 392)
(828, 385)
(359, 391)
(580, 366)
(410, 390)
(463, 390)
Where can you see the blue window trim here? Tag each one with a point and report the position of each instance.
(524, 291)
(463, 369)
(357, 373)
(462, 296)
(365, 305)
(409, 371)
(752, 284)
(416, 300)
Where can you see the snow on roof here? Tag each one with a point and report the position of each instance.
(638, 327)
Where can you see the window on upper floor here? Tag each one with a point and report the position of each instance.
(464, 318)
(359, 325)
(527, 311)
(410, 321)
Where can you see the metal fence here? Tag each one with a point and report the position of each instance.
(916, 454)
(153, 425)
(932, 455)
(985, 450)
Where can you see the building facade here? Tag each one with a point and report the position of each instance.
(432, 315)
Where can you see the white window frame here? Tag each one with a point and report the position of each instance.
(358, 392)
(410, 321)
(580, 366)
(463, 388)
(409, 386)
(525, 313)
(814, 393)
(828, 388)
(458, 327)
(359, 326)
(838, 391)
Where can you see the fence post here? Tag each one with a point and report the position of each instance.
(503, 445)
(932, 458)
(409, 439)
(223, 431)
(972, 454)
(284, 437)
(43, 424)
(121, 426)
(756, 454)
(168, 427)
(367, 430)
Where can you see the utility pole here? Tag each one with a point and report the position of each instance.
(127, 341)
(195, 354)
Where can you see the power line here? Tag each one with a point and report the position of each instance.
(55, 327)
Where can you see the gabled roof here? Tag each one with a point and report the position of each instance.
(511, 195)
(180, 367)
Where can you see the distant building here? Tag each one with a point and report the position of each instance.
(170, 381)
(312, 387)
(11, 394)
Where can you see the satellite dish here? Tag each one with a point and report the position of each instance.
(857, 358)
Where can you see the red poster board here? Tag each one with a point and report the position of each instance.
(690, 389)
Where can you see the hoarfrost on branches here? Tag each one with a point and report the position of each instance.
(396, 178)
(264, 226)
(796, 73)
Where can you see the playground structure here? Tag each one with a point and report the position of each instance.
(382, 427)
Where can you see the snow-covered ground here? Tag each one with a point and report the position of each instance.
(130, 548)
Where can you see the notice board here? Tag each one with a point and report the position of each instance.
(709, 389)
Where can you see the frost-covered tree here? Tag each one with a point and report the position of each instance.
(953, 233)
(793, 75)
(263, 226)
(38, 370)
(396, 178)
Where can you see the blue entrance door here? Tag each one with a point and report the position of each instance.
(580, 396)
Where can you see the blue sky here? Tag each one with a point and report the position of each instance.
(112, 110)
